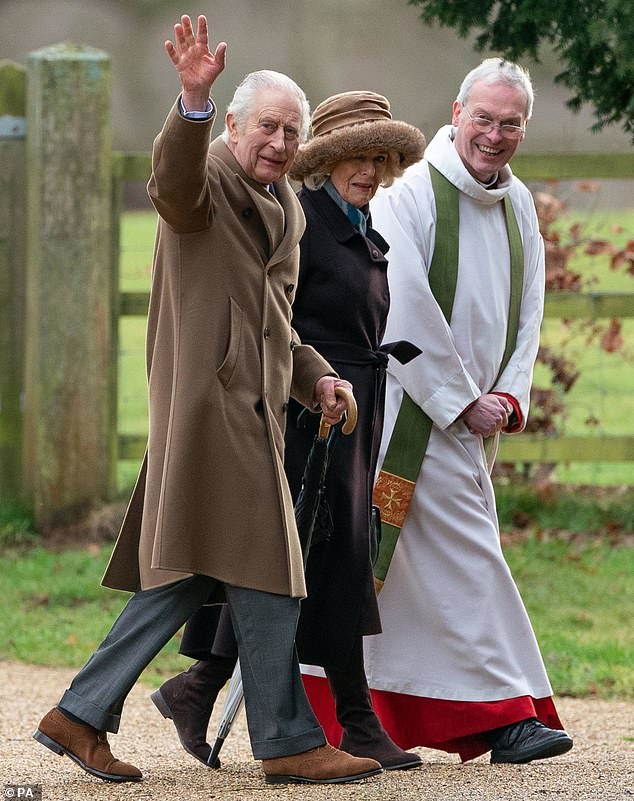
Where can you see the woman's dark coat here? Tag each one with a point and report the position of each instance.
(340, 308)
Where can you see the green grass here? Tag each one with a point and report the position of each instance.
(613, 225)
(137, 241)
(17, 529)
(594, 513)
(578, 595)
(581, 602)
(53, 610)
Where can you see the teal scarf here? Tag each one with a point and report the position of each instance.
(357, 217)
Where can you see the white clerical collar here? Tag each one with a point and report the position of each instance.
(490, 184)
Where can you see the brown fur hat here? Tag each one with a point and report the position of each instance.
(352, 122)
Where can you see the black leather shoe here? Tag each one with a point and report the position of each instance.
(527, 740)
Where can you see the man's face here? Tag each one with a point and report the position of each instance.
(267, 143)
(483, 154)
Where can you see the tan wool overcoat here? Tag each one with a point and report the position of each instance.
(212, 497)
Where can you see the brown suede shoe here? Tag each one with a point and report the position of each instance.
(85, 745)
(323, 765)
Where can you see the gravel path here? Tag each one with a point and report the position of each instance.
(599, 768)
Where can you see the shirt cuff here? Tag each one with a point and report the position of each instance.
(196, 115)
(466, 409)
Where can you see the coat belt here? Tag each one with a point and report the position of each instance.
(346, 353)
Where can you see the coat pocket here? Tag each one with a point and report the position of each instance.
(227, 368)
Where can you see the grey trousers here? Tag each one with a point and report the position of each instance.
(279, 717)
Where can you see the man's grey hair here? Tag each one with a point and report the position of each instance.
(244, 99)
(497, 70)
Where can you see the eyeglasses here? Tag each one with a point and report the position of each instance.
(485, 125)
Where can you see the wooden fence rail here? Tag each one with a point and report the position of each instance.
(526, 447)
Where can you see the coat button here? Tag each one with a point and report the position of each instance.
(267, 332)
(248, 212)
(293, 345)
(289, 289)
(375, 254)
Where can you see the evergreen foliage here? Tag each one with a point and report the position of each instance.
(593, 39)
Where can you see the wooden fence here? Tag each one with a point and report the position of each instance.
(60, 305)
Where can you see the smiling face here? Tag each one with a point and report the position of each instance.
(266, 144)
(485, 154)
(357, 178)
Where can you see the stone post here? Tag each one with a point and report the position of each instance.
(69, 442)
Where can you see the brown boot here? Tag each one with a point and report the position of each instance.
(363, 734)
(188, 699)
(85, 745)
(323, 765)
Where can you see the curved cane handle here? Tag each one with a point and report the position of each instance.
(351, 414)
(351, 409)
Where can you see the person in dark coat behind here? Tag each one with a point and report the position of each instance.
(340, 308)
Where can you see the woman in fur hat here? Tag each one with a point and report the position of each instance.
(340, 307)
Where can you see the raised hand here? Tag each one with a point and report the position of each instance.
(197, 66)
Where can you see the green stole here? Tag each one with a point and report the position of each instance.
(397, 480)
